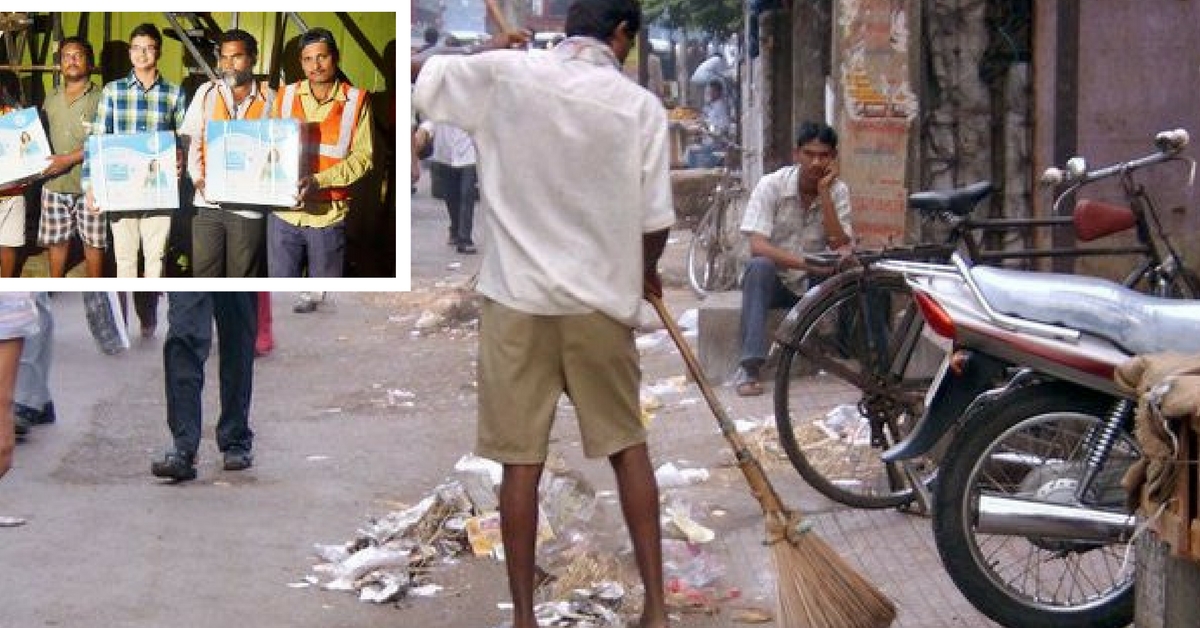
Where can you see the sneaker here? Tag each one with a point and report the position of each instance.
(467, 247)
(174, 466)
(238, 459)
(305, 306)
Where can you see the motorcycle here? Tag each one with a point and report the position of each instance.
(1029, 516)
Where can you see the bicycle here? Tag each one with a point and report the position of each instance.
(712, 263)
(854, 359)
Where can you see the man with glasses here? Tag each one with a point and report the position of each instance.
(228, 240)
(142, 102)
(67, 109)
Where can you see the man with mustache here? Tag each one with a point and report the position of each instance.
(311, 238)
(228, 240)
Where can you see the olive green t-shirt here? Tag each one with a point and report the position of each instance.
(68, 132)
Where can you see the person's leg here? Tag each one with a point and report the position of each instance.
(265, 340)
(155, 232)
(237, 322)
(92, 231)
(466, 210)
(12, 234)
(639, 504)
(326, 250)
(758, 286)
(520, 381)
(186, 348)
(126, 239)
(145, 304)
(10, 355)
(245, 245)
(601, 364)
(285, 248)
(32, 396)
(54, 231)
(208, 243)
(518, 529)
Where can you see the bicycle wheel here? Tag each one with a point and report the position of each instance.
(711, 264)
(1035, 445)
(851, 383)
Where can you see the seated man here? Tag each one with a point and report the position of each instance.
(798, 209)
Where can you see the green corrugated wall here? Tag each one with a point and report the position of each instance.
(359, 62)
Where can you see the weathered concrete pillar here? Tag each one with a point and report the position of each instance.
(775, 33)
(1167, 587)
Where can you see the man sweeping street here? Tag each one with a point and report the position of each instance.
(570, 244)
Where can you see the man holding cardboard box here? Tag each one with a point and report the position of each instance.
(141, 103)
(228, 240)
(63, 205)
(337, 153)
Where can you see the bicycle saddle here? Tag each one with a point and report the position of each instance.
(958, 201)
(1136, 322)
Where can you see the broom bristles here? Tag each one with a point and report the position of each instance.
(818, 589)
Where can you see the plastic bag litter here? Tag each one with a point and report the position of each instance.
(668, 475)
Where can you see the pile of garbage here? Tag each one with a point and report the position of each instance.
(580, 540)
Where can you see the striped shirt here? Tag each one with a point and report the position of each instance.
(128, 107)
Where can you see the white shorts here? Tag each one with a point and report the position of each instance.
(12, 221)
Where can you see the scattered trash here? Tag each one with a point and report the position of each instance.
(650, 340)
(668, 475)
(11, 522)
(749, 615)
(692, 531)
(847, 424)
(689, 320)
(671, 385)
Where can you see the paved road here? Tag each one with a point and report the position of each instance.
(107, 545)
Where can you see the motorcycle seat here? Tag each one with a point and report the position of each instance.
(1135, 322)
(958, 201)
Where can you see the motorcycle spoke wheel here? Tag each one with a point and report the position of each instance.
(1034, 446)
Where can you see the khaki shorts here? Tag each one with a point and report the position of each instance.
(526, 362)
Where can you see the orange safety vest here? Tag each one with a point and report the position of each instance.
(329, 143)
(218, 109)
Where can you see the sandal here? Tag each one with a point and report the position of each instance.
(747, 385)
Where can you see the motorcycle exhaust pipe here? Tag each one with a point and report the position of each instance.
(1014, 516)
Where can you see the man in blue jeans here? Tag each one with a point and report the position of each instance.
(189, 339)
(798, 209)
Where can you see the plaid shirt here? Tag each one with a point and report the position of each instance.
(125, 107)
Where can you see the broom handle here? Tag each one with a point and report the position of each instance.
(750, 466)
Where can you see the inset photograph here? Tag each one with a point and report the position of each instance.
(162, 145)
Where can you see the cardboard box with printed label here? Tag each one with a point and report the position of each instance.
(23, 147)
(134, 171)
(255, 162)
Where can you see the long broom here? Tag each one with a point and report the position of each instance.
(816, 587)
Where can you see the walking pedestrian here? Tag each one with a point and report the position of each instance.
(142, 102)
(64, 210)
(228, 239)
(570, 253)
(311, 238)
(32, 403)
(455, 180)
(190, 318)
(18, 319)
